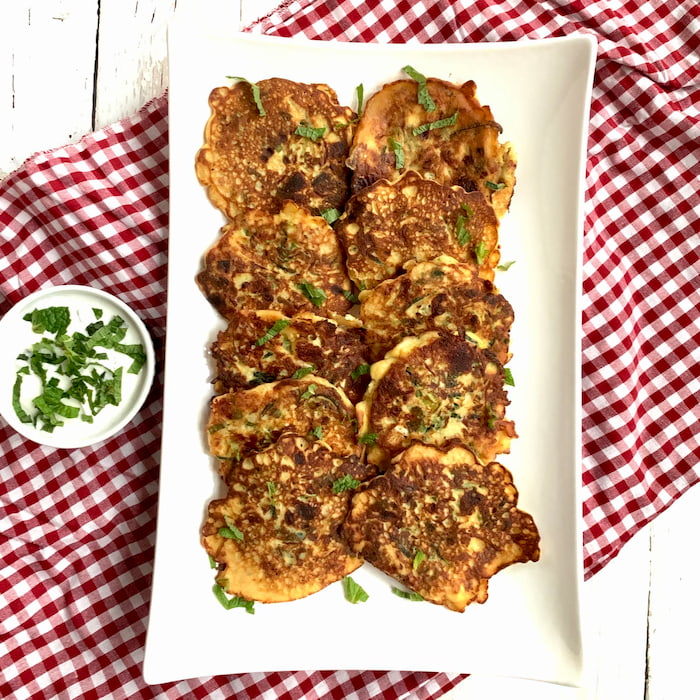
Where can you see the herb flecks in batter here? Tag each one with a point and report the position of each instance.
(314, 133)
(407, 595)
(462, 234)
(75, 381)
(397, 148)
(439, 124)
(230, 532)
(345, 483)
(276, 328)
(315, 295)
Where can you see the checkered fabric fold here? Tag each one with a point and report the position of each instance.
(78, 526)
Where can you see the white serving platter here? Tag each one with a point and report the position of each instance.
(530, 627)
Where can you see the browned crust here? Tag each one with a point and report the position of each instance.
(247, 353)
(267, 261)
(442, 524)
(439, 390)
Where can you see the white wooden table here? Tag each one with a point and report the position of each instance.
(68, 67)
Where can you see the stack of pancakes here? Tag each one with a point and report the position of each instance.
(360, 384)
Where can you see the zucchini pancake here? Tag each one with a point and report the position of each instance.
(263, 346)
(440, 294)
(438, 129)
(276, 534)
(387, 224)
(275, 141)
(245, 421)
(438, 389)
(442, 524)
(290, 262)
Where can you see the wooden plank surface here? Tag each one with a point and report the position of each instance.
(132, 61)
(69, 66)
(47, 73)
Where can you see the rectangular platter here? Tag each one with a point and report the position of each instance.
(530, 627)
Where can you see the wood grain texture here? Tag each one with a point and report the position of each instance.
(47, 71)
(132, 58)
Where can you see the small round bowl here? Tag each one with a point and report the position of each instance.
(17, 336)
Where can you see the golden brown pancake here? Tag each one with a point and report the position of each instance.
(441, 294)
(387, 225)
(263, 346)
(455, 143)
(245, 421)
(276, 534)
(295, 151)
(442, 524)
(290, 262)
(437, 389)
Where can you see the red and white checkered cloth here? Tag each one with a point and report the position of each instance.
(78, 526)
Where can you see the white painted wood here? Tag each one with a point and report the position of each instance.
(674, 601)
(132, 63)
(616, 602)
(47, 56)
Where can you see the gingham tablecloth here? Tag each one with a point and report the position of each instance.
(78, 525)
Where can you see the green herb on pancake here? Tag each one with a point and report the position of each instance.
(75, 380)
(495, 186)
(330, 215)
(367, 439)
(310, 132)
(439, 124)
(407, 595)
(315, 295)
(505, 265)
(277, 327)
(418, 559)
(424, 98)
(311, 391)
(397, 148)
(360, 94)
(345, 483)
(235, 602)
(354, 593)
(352, 298)
(256, 94)
(261, 378)
(230, 532)
(462, 234)
(271, 493)
(359, 371)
